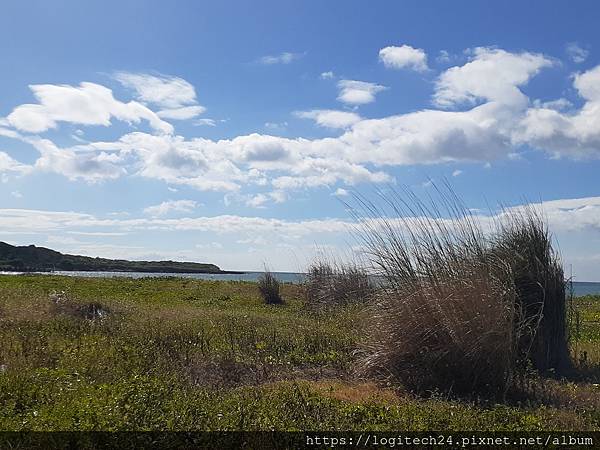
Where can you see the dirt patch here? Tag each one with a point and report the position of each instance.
(355, 392)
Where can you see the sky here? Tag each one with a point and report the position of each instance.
(237, 132)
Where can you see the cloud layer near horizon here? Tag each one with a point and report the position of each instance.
(65, 230)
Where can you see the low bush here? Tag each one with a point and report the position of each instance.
(268, 286)
(329, 285)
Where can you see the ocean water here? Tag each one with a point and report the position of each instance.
(579, 287)
(585, 288)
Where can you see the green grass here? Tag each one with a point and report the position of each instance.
(179, 354)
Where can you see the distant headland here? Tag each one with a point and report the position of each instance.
(39, 259)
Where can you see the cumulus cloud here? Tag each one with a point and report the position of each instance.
(490, 75)
(404, 57)
(497, 126)
(176, 96)
(282, 58)
(573, 134)
(330, 118)
(577, 53)
(164, 208)
(354, 92)
(176, 161)
(87, 166)
(327, 75)
(168, 92)
(86, 104)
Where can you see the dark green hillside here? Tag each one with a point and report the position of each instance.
(32, 258)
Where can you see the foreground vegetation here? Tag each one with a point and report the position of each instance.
(181, 354)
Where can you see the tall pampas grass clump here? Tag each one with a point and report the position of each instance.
(524, 243)
(465, 306)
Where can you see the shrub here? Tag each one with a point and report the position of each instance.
(329, 285)
(462, 308)
(268, 286)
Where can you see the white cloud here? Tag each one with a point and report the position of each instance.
(6, 132)
(97, 233)
(206, 122)
(573, 214)
(577, 53)
(276, 126)
(443, 57)
(260, 200)
(8, 165)
(169, 206)
(90, 167)
(565, 217)
(282, 58)
(45, 221)
(431, 137)
(164, 91)
(497, 128)
(457, 173)
(180, 162)
(574, 134)
(176, 96)
(327, 75)
(257, 201)
(340, 192)
(588, 84)
(32, 221)
(278, 196)
(558, 105)
(183, 113)
(330, 118)
(314, 172)
(404, 57)
(87, 104)
(491, 75)
(355, 92)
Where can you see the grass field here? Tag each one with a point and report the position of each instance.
(180, 354)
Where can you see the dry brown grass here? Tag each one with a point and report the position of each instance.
(524, 243)
(462, 310)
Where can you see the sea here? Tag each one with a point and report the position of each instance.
(580, 288)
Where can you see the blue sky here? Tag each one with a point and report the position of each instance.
(231, 132)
